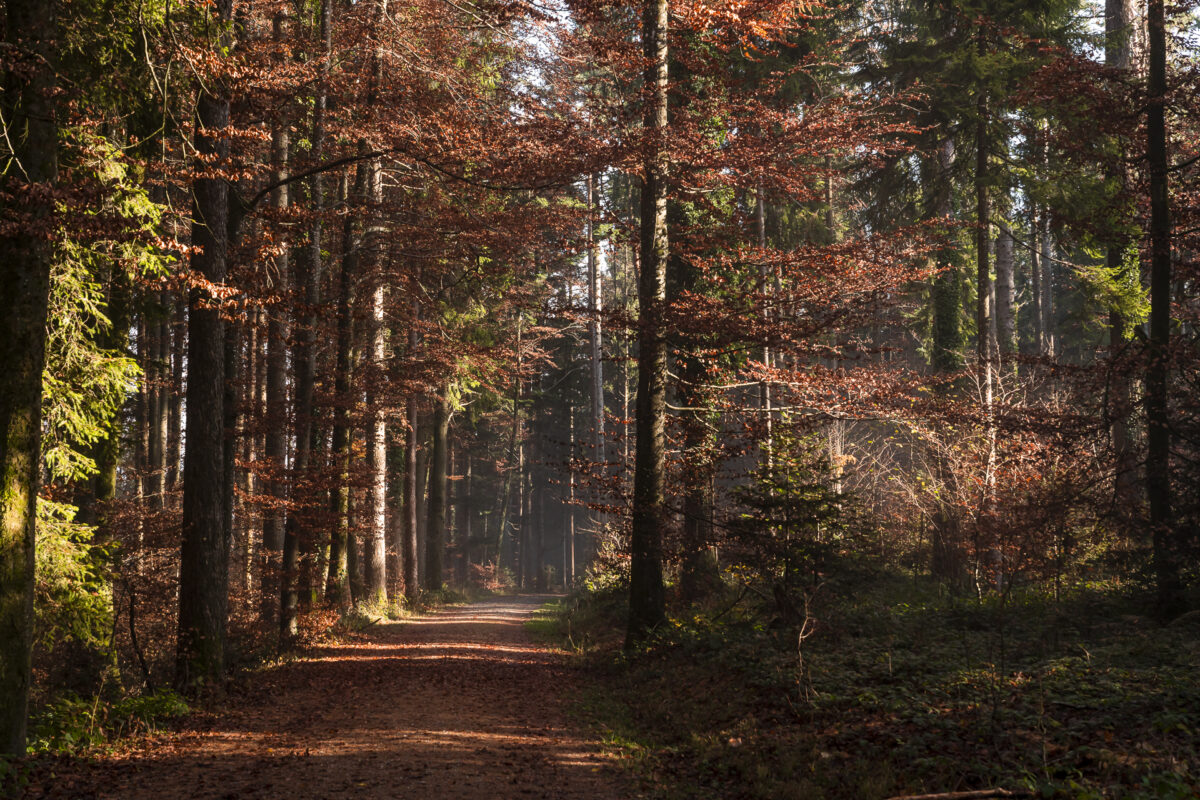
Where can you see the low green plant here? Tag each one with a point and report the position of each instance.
(74, 724)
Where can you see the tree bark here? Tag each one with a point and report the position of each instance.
(305, 355)
(337, 586)
(1118, 54)
(1158, 421)
(412, 588)
(699, 574)
(1046, 260)
(595, 348)
(435, 535)
(375, 546)
(947, 335)
(569, 532)
(646, 591)
(1005, 293)
(25, 259)
(276, 444)
(1035, 276)
(179, 328)
(204, 555)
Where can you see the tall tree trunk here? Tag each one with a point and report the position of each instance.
(985, 333)
(305, 355)
(1006, 326)
(699, 574)
(1167, 557)
(158, 383)
(468, 513)
(983, 239)
(203, 566)
(1118, 52)
(569, 532)
(408, 538)
(524, 539)
(646, 592)
(947, 334)
(435, 532)
(337, 585)
(375, 547)
(595, 351)
(1046, 259)
(521, 529)
(1035, 277)
(275, 446)
(946, 547)
(764, 386)
(25, 259)
(248, 431)
(409, 535)
(234, 372)
(539, 528)
(179, 328)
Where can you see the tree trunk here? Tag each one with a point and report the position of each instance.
(1118, 54)
(764, 386)
(275, 447)
(305, 355)
(248, 431)
(1035, 277)
(375, 546)
(699, 574)
(234, 373)
(337, 577)
(947, 335)
(1167, 557)
(983, 239)
(158, 383)
(646, 591)
(569, 532)
(984, 331)
(409, 535)
(521, 529)
(946, 551)
(25, 259)
(203, 566)
(435, 532)
(1005, 293)
(468, 512)
(596, 355)
(179, 328)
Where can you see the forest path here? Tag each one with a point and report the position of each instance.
(457, 704)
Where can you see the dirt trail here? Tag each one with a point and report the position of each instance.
(459, 704)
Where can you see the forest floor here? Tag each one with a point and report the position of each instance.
(896, 689)
(457, 704)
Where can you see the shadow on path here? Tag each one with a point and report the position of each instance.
(459, 704)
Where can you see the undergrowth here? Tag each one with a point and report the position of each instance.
(895, 688)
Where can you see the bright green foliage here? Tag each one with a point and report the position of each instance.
(74, 724)
(73, 597)
(85, 384)
(792, 521)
